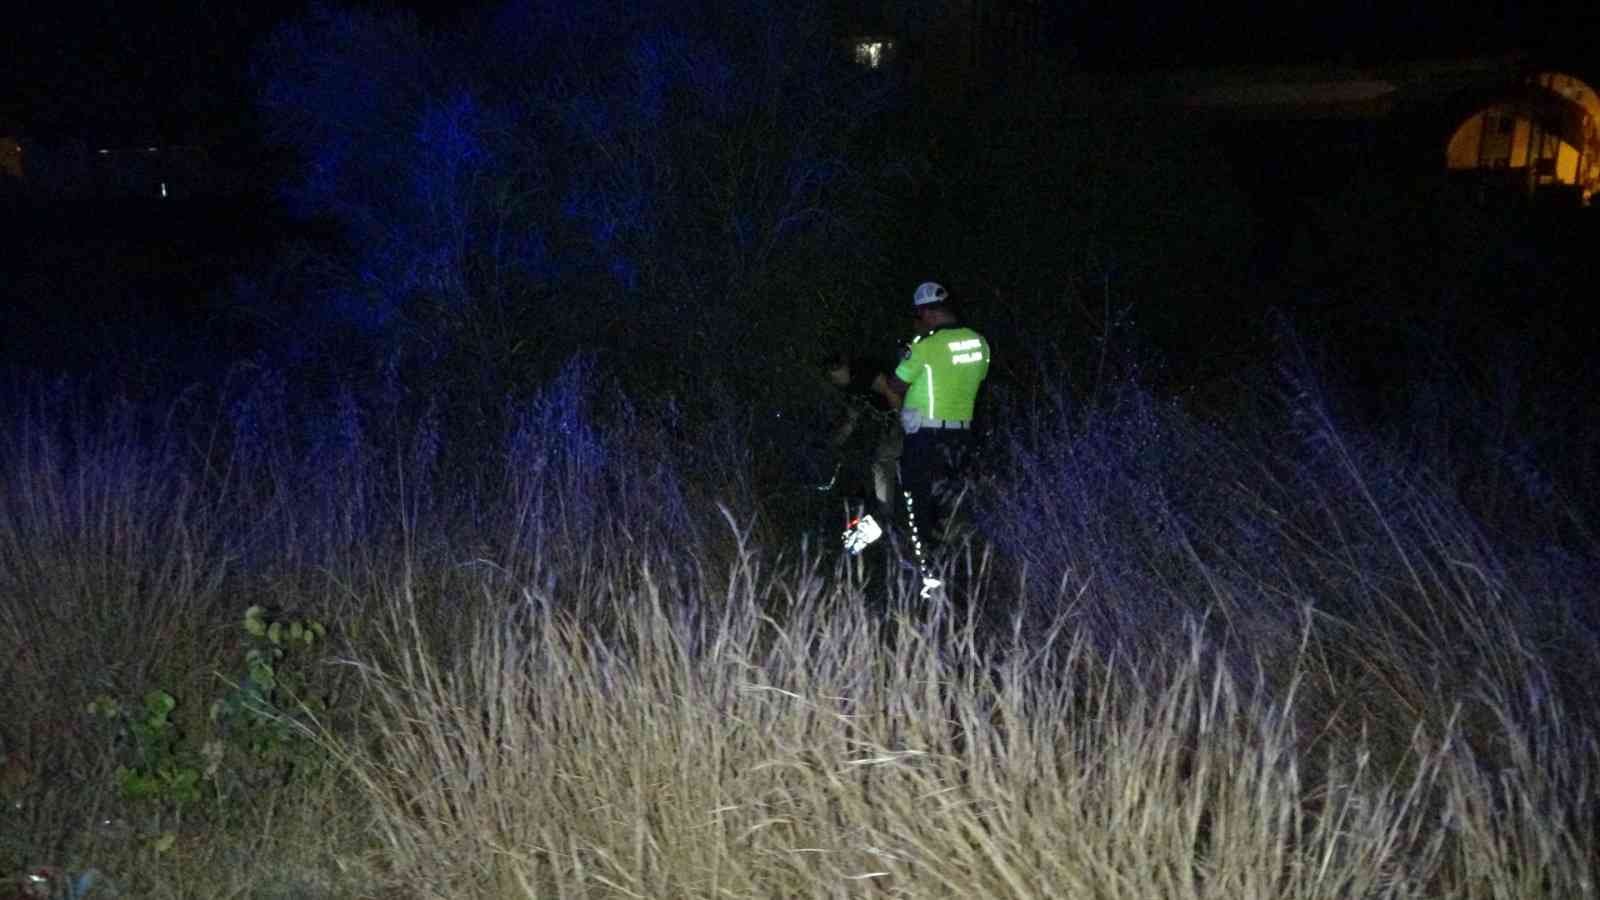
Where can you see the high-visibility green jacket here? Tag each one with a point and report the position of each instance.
(944, 369)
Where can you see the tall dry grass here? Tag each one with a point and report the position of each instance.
(1179, 660)
(680, 753)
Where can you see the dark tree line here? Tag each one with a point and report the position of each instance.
(709, 190)
(659, 182)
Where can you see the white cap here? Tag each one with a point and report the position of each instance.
(929, 292)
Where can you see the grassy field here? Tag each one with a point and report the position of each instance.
(260, 649)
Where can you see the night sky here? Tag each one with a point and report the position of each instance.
(177, 69)
(1135, 35)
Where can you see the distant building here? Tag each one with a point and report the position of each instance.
(74, 169)
(1506, 126)
(1540, 134)
(955, 50)
(152, 172)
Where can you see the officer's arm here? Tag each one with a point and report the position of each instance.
(891, 385)
(891, 388)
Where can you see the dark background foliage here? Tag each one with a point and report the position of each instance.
(448, 203)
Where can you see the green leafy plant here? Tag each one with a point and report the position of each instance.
(263, 714)
(162, 767)
(257, 738)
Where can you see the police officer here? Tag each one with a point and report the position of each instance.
(936, 388)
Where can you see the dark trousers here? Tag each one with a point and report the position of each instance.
(931, 466)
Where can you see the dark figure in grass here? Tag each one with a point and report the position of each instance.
(865, 437)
